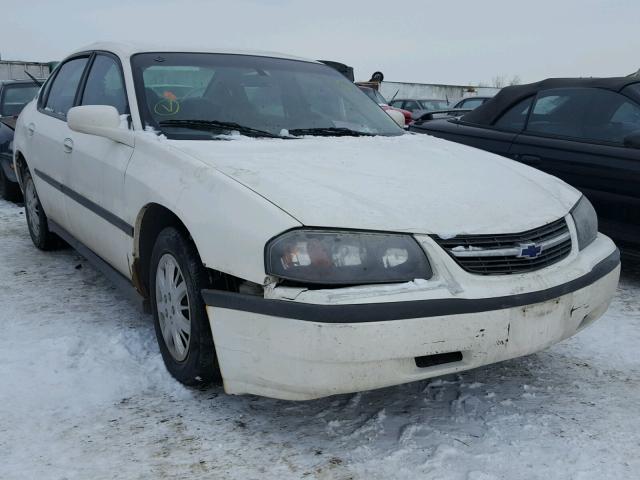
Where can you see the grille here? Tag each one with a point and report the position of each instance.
(510, 253)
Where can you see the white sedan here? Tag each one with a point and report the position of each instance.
(288, 236)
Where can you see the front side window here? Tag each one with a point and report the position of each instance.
(15, 97)
(588, 114)
(104, 85)
(200, 95)
(62, 92)
(515, 118)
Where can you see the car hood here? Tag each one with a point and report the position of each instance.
(410, 183)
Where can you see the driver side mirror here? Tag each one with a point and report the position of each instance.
(99, 120)
(632, 140)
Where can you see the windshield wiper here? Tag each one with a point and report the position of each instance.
(209, 125)
(330, 132)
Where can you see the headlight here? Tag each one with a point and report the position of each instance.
(586, 220)
(345, 258)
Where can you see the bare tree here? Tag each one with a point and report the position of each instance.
(498, 81)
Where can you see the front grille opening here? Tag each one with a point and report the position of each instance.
(484, 258)
(427, 361)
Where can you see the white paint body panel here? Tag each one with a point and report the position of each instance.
(411, 183)
(301, 360)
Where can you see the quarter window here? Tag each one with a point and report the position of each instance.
(515, 118)
(104, 85)
(63, 89)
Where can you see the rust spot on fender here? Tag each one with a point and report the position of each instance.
(136, 280)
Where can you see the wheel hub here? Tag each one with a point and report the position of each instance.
(33, 209)
(173, 306)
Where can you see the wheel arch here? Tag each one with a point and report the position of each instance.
(21, 165)
(151, 220)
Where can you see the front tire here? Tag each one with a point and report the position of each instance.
(37, 221)
(179, 314)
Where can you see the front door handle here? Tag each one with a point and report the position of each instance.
(68, 145)
(31, 128)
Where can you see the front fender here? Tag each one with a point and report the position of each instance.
(229, 223)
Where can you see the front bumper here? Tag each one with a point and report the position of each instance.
(360, 340)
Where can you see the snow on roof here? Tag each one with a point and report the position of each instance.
(127, 49)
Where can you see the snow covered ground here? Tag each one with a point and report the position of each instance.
(84, 395)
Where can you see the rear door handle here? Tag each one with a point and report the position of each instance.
(68, 145)
(31, 128)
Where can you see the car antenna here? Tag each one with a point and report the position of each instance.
(34, 79)
(394, 95)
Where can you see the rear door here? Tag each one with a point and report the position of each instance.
(47, 130)
(97, 168)
(577, 134)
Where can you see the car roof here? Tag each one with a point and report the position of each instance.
(128, 49)
(489, 112)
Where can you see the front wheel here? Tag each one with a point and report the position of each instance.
(180, 318)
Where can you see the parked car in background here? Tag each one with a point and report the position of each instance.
(14, 95)
(471, 103)
(295, 264)
(377, 97)
(419, 107)
(584, 131)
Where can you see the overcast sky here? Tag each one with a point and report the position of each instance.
(456, 42)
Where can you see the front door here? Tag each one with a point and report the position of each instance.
(97, 168)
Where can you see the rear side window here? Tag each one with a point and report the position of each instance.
(588, 114)
(515, 118)
(63, 89)
(104, 85)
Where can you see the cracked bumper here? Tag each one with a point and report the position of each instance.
(298, 351)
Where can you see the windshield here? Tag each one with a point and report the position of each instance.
(204, 96)
(433, 105)
(374, 95)
(15, 97)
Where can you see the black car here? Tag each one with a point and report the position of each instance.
(585, 131)
(14, 95)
